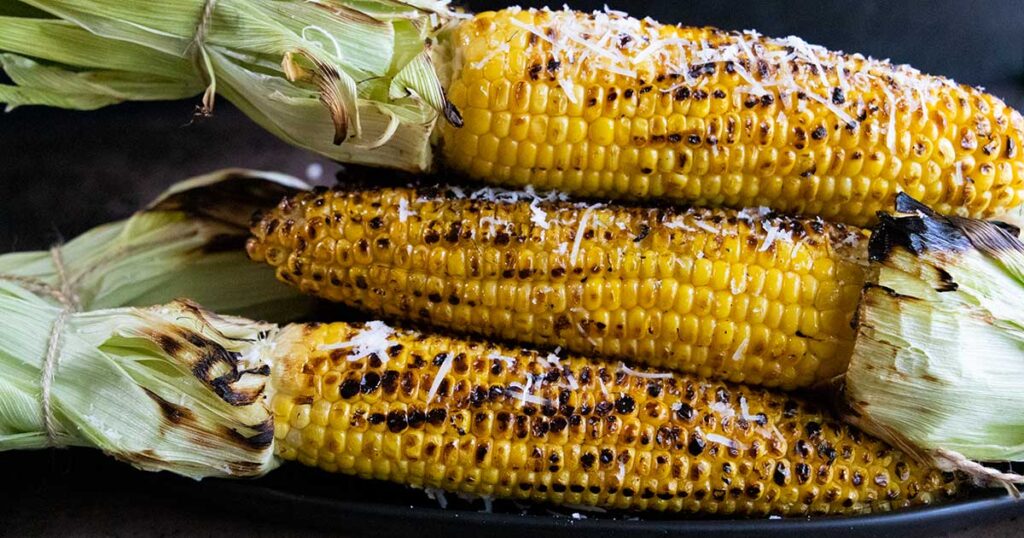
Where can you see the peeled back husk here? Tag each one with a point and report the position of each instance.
(938, 364)
(187, 243)
(171, 387)
(348, 79)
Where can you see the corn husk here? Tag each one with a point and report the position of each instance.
(170, 388)
(188, 243)
(939, 356)
(349, 79)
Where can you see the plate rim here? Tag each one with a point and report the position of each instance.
(375, 517)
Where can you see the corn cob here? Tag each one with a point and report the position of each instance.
(746, 297)
(593, 104)
(604, 105)
(476, 418)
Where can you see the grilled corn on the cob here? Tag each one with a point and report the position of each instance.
(476, 418)
(749, 297)
(605, 105)
(595, 104)
(174, 387)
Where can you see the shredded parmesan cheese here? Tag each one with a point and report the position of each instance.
(372, 340)
(403, 210)
(532, 29)
(723, 410)
(604, 388)
(745, 410)
(437, 494)
(699, 222)
(511, 362)
(644, 375)
(525, 395)
(574, 253)
(573, 385)
(741, 349)
(442, 371)
(773, 233)
(678, 225)
(503, 48)
(538, 216)
(797, 71)
(722, 440)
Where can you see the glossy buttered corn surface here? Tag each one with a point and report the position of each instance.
(610, 106)
(749, 297)
(471, 417)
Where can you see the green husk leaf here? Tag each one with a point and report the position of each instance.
(39, 84)
(171, 387)
(102, 52)
(189, 243)
(164, 388)
(939, 356)
(62, 42)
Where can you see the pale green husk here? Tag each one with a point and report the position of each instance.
(938, 363)
(118, 387)
(279, 61)
(189, 243)
(167, 387)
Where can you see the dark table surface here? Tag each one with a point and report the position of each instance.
(63, 172)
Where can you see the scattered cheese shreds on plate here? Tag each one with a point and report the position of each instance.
(437, 494)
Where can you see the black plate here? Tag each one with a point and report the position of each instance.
(370, 508)
(301, 497)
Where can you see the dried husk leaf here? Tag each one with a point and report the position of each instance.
(102, 52)
(939, 355)
(170, 388)
(188, 243)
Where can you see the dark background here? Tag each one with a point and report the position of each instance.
(63, 172)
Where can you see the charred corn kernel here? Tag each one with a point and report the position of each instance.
(714, 118)
(476, 418)
(599, 280)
